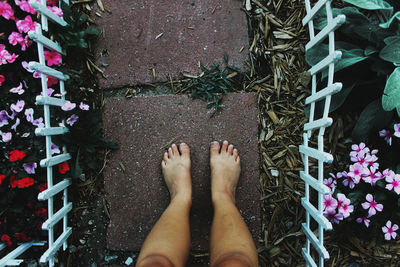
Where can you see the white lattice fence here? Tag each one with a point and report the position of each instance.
(318, 93)
(54, 217)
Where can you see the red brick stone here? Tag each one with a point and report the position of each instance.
(134, 185)
(193, 31)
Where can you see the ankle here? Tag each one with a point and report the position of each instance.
(222, 197)
(182, 199)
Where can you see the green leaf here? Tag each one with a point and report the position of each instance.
(92, 31)
(370, 4)
(226, 58)
(370, 50)
(391, 94)
(391, 39)
(77, 170)
(391, 52)
(372, 118)
(387, 24)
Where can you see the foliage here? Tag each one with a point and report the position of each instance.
(21, 177)
(213, 84)
(370, 66)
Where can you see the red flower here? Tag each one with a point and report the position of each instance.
(63, 167)
(2, 177)
(51, 81)
(42, 187)
(17, 155)
(13, 182)
(30, 205)
(25, 182)
(42, 212)
(21, 236)
(6, 239)
(2, 79)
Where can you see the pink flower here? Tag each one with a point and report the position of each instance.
(329, 183)
(25, 6)
(56, 10)
(364, 220)
(52, 57)
(68, 106)
(26, 24)
(17, 90)
(389, 230)
(52, 2)
(370, 160)
(360, 158)
(397, 130)
(6, 137)
(5, 56)
(332, 216)
(370, 176)
(18, 107)
(343, 204)
(336, 177)
(348, 180)
(6, 10)
(83, 106)
(371, 205)
(357, 171)
(29, 114)
(358, 148)
(387, 135)
(50, 91)
(393, 183)
(14, 38)
(25, 43)
(71, 120)
(329, 202)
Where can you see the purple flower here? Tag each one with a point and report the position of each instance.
(50, 91)
(393, 183)
(370, 175)
(4, 118)
(30, 167)
(68, 106)
(38, 122)
(332, 216)
(330, 183)
(387, 135)
(364, 220)
(6, 137)
(83, 106)
(357, 149)
(389, 230)
(397, 130)
(371, 205)
(71, 120)
(14, 127)
(25, 135)
(54, 149)
(344, 206)
(329, 202)
(357, 171)
(18, 107)
(17, 90)
(29, 114)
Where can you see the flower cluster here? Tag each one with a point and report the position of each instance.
(363, 174)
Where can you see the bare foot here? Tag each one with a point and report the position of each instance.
(176, 171)
(225, 170)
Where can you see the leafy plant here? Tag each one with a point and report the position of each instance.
(213, 84)
(370, 66)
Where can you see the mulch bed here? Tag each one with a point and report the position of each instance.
(278, 74)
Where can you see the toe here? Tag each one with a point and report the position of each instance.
(230, 149)
(175, 150)
(235, 153)
(224, 146)
(238, 160)
(163, 163)
(184, 149)
(170, 153)
(165, 156)
(214, 148)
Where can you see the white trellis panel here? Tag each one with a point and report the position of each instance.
(54, 217)
(319, 125)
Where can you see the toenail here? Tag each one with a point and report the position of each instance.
(225, 142)
(182, 144)
(173, 145)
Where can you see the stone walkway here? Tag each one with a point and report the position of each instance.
(155, 41)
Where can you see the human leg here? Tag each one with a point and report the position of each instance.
(231, 242)
(168, 243)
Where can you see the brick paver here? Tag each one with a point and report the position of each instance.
(187, 31)
(134, 185)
